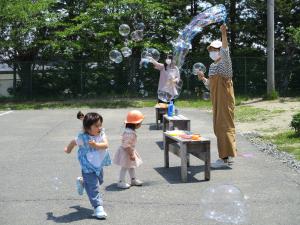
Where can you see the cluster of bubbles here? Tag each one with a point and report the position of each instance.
(124, 30)
(225, 204)
(183, 44)
(147, 54)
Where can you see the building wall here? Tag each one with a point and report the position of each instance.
(6, 81)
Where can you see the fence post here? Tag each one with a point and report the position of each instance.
(245, 72)
(81, 80)
(30, 84)
(15, 80)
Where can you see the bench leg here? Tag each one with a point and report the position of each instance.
(207, 162)
(183, 156)
(166, 152)
(156, 118)
(188, 125)
(164, 125)
(188, 160)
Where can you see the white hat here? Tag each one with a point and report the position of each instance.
(215, 44)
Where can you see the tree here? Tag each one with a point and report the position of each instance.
(23, 29)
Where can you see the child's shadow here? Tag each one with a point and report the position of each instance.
(80, 214)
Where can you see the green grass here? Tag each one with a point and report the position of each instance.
(287, 141)
(250, 113)
(8, 103)
(99, 103)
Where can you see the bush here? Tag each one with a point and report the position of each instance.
(296, 123)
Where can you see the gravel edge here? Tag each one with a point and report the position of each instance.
(271, 149)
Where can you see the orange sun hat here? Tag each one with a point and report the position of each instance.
(135, 117)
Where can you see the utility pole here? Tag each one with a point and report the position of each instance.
(270, 50)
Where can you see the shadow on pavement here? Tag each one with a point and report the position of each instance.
(113, 187)
(160, 144)
(152, 126)
(172, 174)
(80, 214)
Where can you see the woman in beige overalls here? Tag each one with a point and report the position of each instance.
(222, 97)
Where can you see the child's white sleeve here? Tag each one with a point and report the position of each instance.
(103, 135)
(79, 141)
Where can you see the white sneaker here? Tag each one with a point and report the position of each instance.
(79, 185)
(123, 185)
(99, 212)
(136, 182)
(230, 160)
(220, 163)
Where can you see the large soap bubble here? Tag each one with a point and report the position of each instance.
(164, 96)
(124, 30)
(170, 91)
(225, 204)
(137, 35)
(115, 56)
(126, 52)
(198, 67)
(150, 52)
(182, 45)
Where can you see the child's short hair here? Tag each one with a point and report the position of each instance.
(79, 115)
(131, 126)
(90, 119)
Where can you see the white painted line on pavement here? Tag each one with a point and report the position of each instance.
(2, 114)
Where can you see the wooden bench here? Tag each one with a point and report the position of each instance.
(183, 148)
(179, 121)
(160, 110)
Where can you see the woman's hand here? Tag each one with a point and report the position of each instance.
(201, 76)
(223, 28)
(151, 59)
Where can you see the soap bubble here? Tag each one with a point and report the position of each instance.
(225, 204)
(198, 67)
(115, 56)
(139, 26)
(178, 87)
(205, 95)
(56, 183)
(150, 52)
(126, 51)
(164, 96)
(247, 155)
(146, 53)
(124, 30)
(182, 45)
(137, 35)
(142, 91)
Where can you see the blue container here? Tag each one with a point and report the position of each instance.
(170, 109)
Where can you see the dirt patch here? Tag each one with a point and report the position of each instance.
(274, 124)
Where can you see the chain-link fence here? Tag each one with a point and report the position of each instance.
(71, 79)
